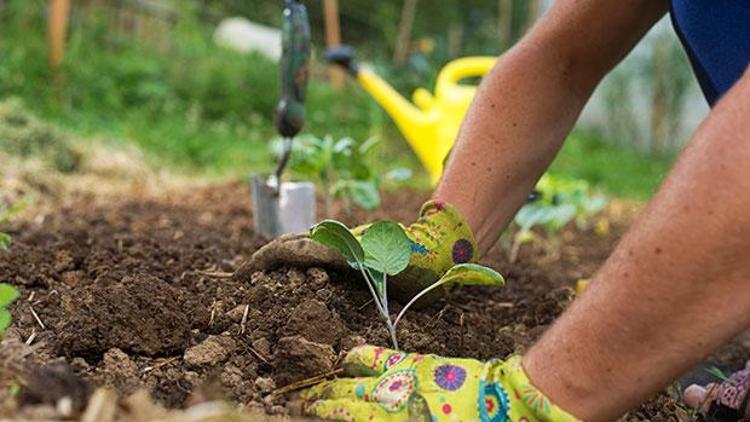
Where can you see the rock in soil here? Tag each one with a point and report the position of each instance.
(212, 351)
(313, 320)
(54, 384)
(100, 317)
(298, 358)
(119, 371)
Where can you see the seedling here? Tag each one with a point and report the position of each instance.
(557, 203)
(5, 215)
(384, 251)
(8, 294)
(341, 168)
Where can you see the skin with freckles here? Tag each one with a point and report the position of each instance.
(642, 322)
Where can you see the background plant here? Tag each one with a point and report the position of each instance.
(5, 215)
(555, 203)
(342, 169)
(8, 294)
(385, 251)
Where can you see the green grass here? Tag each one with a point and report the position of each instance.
(618, 171)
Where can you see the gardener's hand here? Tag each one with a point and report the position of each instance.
(440, 239)
(395, 386)
(726, 401)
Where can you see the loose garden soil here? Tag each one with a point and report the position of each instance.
(141, 293)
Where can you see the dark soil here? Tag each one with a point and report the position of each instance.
(138, 293)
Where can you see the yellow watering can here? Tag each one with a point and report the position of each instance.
(431, 124)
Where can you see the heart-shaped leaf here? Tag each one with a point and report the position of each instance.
(387, 249)
(337, 236)
(472, 275)
(8, 294)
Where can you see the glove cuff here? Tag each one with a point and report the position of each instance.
(444, 222)
(523, 399)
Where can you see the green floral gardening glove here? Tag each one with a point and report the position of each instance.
(440, 239)
(393, 386)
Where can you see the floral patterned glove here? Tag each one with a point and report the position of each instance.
(396, 386)
(727, 400)
(440, 239)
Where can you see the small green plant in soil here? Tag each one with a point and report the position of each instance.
(556, 203)
(8, 294)
(5, 215)
(341, 168)
(385, 251)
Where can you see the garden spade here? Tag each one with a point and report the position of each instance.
(282, 208)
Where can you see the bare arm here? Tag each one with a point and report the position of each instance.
(529, 102)
(674, 289)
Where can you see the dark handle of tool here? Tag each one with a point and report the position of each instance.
(295, 59)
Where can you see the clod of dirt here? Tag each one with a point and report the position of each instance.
(264, 384)
(55, 383)
(294, 251)
(298, 358)
(313, 320)
(317, 277)
(119, 371)
(212, 351)
(262, 346)
(141, 315)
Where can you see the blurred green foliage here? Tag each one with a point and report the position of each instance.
(619, 171)
(202, 108)
(190, 103)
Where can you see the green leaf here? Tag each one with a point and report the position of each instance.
(368, 146)
(365, 194)
(5, 320)
(337, 236)
(401, 174)
(472, 275)
(8, 294)
(16, 209)
(387, 249)
(5, 240)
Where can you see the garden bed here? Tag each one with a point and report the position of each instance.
(141, 293)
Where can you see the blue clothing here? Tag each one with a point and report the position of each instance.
(716, 36)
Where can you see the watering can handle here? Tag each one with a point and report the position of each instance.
(343, 56)
(463, 68)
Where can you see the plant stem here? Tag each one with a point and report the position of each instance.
(375, 296)
(392, 331)
(414, 299)
(391, 325)
(514, 249)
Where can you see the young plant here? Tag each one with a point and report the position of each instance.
(5, 215)
(384, 251)
(557, 202)
(342, 169)
(8, 294)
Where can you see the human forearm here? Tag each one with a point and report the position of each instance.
(651, 312)
(517, 122)
(528, 103)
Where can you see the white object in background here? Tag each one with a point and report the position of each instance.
(245, 36)
(292, 210)
(297, 207)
